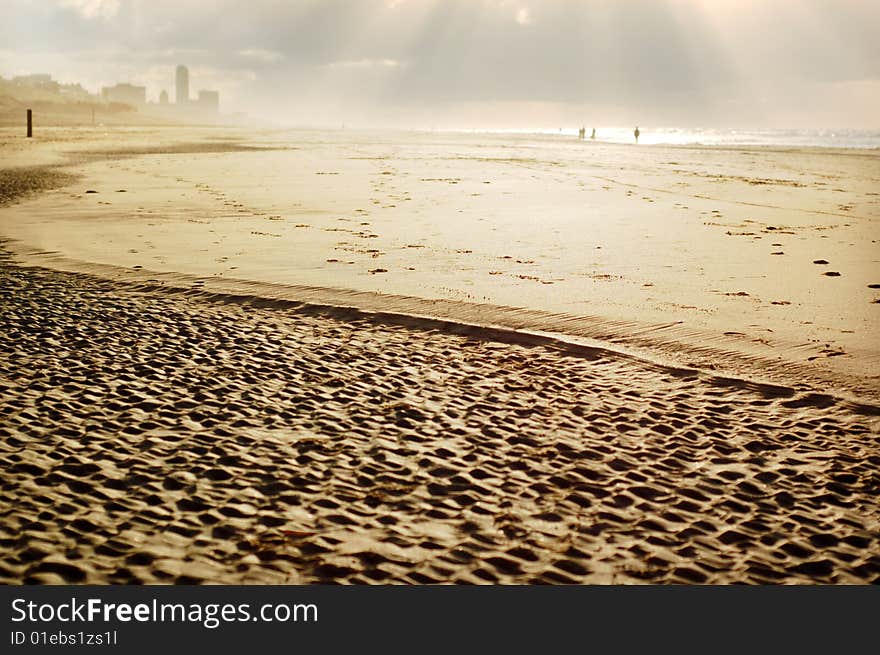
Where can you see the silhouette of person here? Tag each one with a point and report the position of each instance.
(593, 135)
(636, 133)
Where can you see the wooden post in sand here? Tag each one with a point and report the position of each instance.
(30, 120)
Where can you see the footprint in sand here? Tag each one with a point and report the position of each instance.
(831, 274)
(214, 526)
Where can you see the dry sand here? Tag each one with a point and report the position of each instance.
(179, 437)
(174, 423)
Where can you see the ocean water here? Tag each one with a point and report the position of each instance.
(815, 138)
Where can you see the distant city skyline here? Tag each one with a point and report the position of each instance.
(204, 106)
(206, 102)
(788, 63)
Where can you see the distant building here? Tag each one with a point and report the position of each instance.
(33, 80)
(126, 93)
(182, 79)
(163, 97)
(74, 92)
(37, 81)
(209, 101)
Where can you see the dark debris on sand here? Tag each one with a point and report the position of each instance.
(150, 437)
(19, 182)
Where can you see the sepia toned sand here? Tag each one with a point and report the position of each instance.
(234, 358)
(764, 252)
(160, 436)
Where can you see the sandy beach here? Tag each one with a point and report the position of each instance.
(762, 253)
(375, 357)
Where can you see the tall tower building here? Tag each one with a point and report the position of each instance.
(182, 85)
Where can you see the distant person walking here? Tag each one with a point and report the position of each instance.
(636, 133)
(593, 135)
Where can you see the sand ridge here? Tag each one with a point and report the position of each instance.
(152, 437)
(674, 345)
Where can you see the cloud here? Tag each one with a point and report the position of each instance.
(367, 64)
(710, 62)
(523, 16)
(266, 56)
(93, 8)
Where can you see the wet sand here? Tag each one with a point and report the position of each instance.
(155, 436)
(172, 417)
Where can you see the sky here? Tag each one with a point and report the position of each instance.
(474, 63)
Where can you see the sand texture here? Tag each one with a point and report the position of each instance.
(154, 436)
(16, 183)
(766, 252)
(388, 357)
